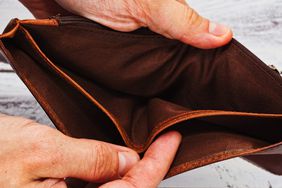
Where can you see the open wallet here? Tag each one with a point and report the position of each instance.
(129, 88)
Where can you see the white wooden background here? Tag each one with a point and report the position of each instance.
(257, 24)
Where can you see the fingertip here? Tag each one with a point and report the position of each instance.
(171, 139)
(175, 135)
(209, 41)
(219, 35)
(209, 35)
(222, 40)
(217, 29)
(172, 134)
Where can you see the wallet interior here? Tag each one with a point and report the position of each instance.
(128, 88)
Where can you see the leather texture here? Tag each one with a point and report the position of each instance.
(128, 88)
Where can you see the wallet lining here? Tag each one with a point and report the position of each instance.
(250, 143)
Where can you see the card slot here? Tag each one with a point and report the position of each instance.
(81, 118)
(204, 143)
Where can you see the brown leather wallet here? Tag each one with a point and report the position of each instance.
(128, 88)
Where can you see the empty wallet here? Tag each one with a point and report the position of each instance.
(128, 88)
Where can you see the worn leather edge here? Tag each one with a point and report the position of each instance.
(12, 32)
(51, 113)
(219, 157)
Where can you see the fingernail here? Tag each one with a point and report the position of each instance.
(126, 161)
(218, 29)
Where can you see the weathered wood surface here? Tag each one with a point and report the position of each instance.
(257, 24)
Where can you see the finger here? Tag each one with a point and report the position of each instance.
(150, 171)
(89, 160)
(178, 21)
(96, 161)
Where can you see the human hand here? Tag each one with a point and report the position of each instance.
(151, 170)
(171, 18)
(36, 156)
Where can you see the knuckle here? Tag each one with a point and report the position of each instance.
(41, 151)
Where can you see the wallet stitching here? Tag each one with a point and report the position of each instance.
(209, 113)
(208, 160)
(218, 157)
(204, 160)
(198, 114)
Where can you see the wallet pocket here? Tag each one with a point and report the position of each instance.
(128, 88)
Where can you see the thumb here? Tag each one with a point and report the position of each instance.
(88, 160)
(176, 20)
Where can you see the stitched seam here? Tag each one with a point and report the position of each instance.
(218, 157)
(198, 114)
(208, 113)
(206, 160)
